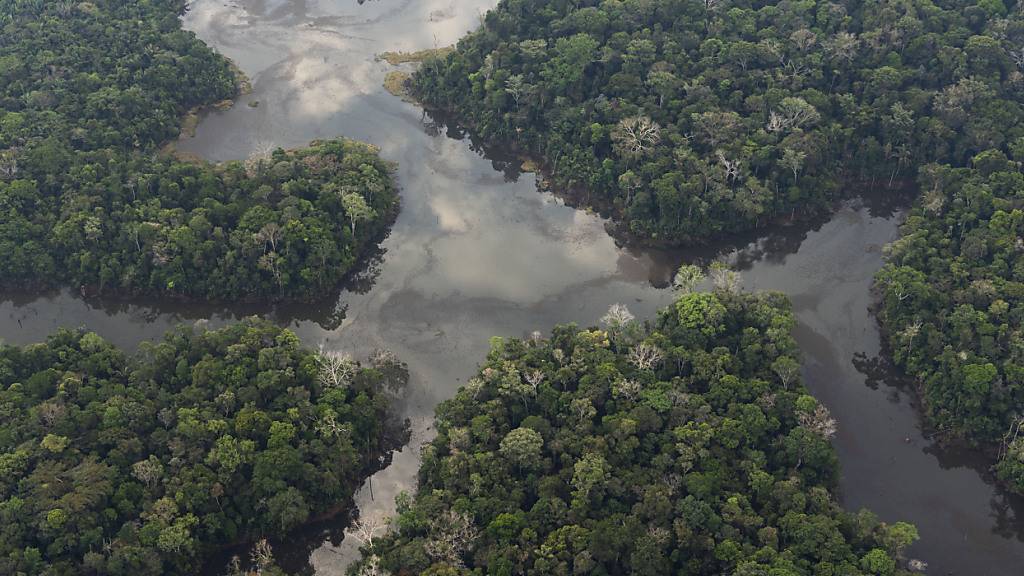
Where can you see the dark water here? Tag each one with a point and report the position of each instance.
(477, 251)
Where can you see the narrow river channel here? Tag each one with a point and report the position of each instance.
(477, 251)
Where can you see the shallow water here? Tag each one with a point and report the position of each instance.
(477, 251)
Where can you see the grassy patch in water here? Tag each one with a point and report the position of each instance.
(396, 58)
(397, 83)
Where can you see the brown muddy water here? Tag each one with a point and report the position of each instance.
(477, 251)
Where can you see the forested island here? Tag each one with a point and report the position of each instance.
(687, 445)
(131, 465)
(953, 303)
(88, 93)
(687, 119)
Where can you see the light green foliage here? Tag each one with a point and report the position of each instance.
(522, 447)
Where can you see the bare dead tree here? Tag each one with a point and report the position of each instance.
(1017, 54)
(534, 378)
(645, 356)
(636, 136)
(261, 557)
(628, 389)
(617, 315)
(336, 369)
(365, 530)
(820, 422)
(452, 535)
(731, 167)
(724, 279)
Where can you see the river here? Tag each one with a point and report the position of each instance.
(478, 251)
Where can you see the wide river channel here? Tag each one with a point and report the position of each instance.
(478, 251)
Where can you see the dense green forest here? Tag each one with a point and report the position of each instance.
(88, 91)
(953, 302)
(683, 446)
(689, 118)
(139, 465)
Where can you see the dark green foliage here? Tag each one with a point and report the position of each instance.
(675, 448)
(117, 465)
(763, 108)
(87, 93)
(273, 228)
(953, 302)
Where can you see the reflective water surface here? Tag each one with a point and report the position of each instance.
(478, 251)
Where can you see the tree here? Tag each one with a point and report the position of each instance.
(687, 278)
(356, 209)
(452, 535)
(794, 161)
(634, 470)
(336, 368)
(645, 356)
(635, 136)
(787, 369)
(522, 447)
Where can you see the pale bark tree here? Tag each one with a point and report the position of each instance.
(327, 426)
(356, 209)
(617, 316)
(645, 356)
(635, 136)
(687, 278)
(50, 413)
(843, 46)
(724, 279)
(803, 39)
(515, 88)
(787, 369)
(336, 369)
(8, 164)
(731, 167)
(819, 421)
(534, 378)
(261, 557)
(792, 114)
(452, 534)
(628, 389)
(1017, 54)
(909, 333)
(794, 160)
(365, 530)
(148, 471)
(269, 235)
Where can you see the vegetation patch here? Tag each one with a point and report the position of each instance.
(112, 464)
(952, 303)
(88, 94)
(686, 445)
(397, 83)
(396, 58)
(689, 119)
